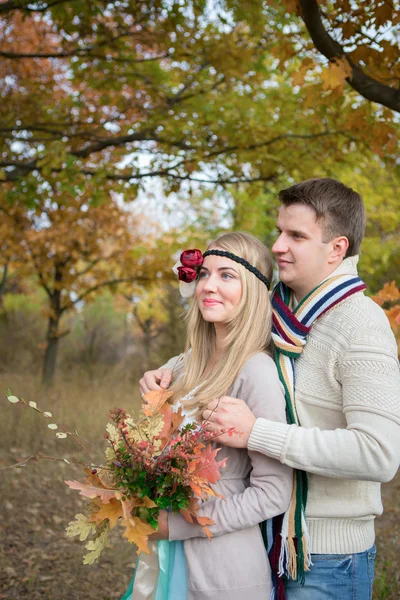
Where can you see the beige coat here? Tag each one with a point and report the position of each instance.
(234, 564)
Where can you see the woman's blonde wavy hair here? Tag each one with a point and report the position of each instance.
(249, 327)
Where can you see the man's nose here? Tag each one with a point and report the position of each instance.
(280, 246)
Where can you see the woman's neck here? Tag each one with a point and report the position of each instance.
(220, 338)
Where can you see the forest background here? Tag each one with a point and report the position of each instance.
(132, 130)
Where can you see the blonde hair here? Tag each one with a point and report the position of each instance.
(249, 327)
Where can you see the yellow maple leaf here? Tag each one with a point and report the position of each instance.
(137, 532)
(111, 511)
(298, 77)
(334, 77)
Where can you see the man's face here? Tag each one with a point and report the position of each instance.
(303, 258)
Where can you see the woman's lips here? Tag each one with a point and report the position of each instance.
(208, 302)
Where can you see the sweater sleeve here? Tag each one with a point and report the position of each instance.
(368, 447)
(270, 483)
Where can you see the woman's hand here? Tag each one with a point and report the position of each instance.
(155, 380)
(163, 530)
(226, 413)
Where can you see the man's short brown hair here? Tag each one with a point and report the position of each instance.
(340, 208)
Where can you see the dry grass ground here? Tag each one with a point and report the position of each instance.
(37, 560)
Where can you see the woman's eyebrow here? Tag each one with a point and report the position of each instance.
(227, 268)
(220, 269)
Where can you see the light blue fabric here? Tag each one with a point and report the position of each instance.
(177, 581)
(336, 577)
(172, 580)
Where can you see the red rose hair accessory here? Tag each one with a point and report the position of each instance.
(186, 269)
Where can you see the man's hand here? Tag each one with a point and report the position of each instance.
(225, 413)
(155, 380)
(163, 531)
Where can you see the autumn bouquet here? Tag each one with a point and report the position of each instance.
(151, 463)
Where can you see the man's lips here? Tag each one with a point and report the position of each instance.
(209, 302)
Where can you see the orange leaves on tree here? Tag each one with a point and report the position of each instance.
(299, 76)
(390, 293)
(389, 298)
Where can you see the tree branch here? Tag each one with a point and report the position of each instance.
(11, 5)
(98, 286)
(367, 86)
(84, 52)
(21, 168)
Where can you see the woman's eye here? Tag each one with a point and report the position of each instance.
(226, 276)
(202, 274)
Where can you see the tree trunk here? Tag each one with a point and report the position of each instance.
(3, 283)
(50, 356)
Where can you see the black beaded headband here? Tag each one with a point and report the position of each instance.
(242, 262)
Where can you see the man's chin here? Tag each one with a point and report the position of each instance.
(284, 276)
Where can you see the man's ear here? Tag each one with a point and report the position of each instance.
(339, 247)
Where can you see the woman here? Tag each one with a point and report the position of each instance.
(228, 342)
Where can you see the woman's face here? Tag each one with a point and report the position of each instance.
(219, 288)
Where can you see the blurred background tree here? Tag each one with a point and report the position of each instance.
(209, 109)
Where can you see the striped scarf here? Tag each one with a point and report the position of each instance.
(290, 554)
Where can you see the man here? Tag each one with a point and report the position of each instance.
(345, 392)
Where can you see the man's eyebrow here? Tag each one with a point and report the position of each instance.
(292, 231)
(303, 233)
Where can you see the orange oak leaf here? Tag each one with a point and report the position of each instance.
(186, 514)
(93, 478)
(154, 400)
(172, 421)
(91, 491)
(111, 511)
(198, 490)
(204, 521)
(206, 467)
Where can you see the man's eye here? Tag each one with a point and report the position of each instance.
(297, 236)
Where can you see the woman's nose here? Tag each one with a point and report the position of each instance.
(210, 284)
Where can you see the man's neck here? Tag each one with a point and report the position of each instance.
(346, 266)
(301, 292)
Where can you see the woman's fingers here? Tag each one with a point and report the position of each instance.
(155, 380)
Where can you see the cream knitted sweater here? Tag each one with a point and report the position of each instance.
(348, 400)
